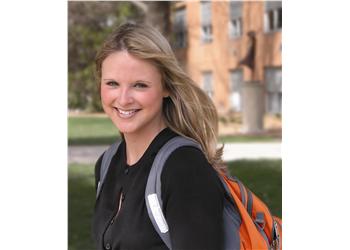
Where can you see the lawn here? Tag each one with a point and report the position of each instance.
(81, 195)
(248, 138)
(91, 130)
(263, 177)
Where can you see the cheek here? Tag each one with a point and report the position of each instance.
(106, 95)
(153, 100)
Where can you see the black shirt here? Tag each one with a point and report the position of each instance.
(192, 201)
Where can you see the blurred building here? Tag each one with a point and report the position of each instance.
(233, 50)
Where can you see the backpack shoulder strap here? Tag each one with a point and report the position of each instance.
(106, 161)
(153, 195)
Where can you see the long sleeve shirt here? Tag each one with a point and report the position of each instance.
(192, 198)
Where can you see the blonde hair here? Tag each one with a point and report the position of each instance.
(188, 110)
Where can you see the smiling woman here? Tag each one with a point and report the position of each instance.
(151, 100)
(132, 96)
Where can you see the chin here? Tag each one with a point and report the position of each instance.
(126, 129)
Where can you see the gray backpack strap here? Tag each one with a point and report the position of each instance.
(153, 194)
(232, 220)
(106, 161)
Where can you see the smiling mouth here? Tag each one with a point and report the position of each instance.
(126, 113)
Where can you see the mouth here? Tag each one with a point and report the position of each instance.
(123, 113)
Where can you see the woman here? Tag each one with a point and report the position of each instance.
(150, 100)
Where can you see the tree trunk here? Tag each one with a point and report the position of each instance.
(157, 14)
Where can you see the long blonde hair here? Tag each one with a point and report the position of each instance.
(188, 110)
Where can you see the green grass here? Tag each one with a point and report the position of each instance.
(101, 131)
(248, 138)
(263, 177)
(91, 131)
(81, 201)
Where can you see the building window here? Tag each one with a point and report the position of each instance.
(206, 27)
(208, 83)
(273, 82)
(236, 82)
(179, 27)
(273, 16)
(235, 28)
(235, 23)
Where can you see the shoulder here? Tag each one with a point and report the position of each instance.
(188, 166)
(98, 167)
(186, 159)
(108, 151)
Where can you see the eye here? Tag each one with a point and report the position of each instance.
(112, 83)
(140, 85)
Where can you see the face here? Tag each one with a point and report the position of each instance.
(132, 94)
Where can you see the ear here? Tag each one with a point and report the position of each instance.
(166, 93)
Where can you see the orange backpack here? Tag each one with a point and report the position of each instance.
(257, 229)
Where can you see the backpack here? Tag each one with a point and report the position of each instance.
(257, 229)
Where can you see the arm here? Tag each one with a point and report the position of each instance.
(192, 201)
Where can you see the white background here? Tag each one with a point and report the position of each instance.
(315, 149)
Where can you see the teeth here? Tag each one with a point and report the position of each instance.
(126, 112)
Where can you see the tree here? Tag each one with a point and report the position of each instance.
(89, 23)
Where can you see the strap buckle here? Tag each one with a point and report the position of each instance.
(260, 219)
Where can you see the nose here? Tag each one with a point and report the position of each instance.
(125, 97)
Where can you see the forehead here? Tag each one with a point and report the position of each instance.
(121, 64)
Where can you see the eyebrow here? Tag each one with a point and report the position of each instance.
(108, 79)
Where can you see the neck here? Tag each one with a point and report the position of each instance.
(136, 145)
